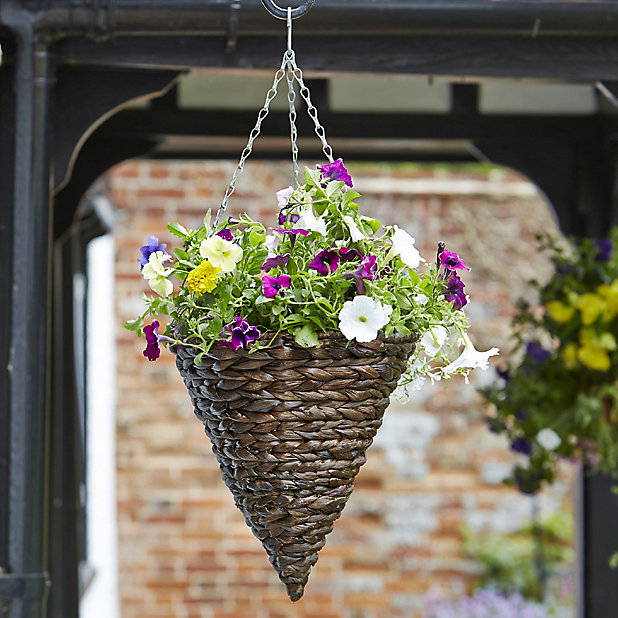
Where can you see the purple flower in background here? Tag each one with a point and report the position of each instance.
(349, 255)
(452, 261)
(522, 414)
(605, 247)
(151, 331)
(242, 334)
(279, 261)
(537, 352)
(522, 446)
(527, 481)
(495, 425)
(336, 171)
(271, 286)
(505, 373)
(453, 290)
(326, 261)
(367, 270)
(152, 247)
(226, 234)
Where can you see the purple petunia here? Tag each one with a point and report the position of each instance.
(605, 247)
(454, 289)
(293, 232)
(326, 261)
(521, 445)
(151, 331)
(271, 286)
(537, 352)
(147, 250)
(226, 234)
(349, 255)
(528, 481)
(279, 261)
(366, 271)
(283, 217)
(452, 261)
(242, 334)
(336, 171)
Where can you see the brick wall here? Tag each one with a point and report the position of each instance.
(185, 550)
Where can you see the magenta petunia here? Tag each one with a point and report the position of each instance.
(279, 261)
(326, 261)
(293, 232)
(271, 286)
(366, 271)
(336, 171)
(349, 255)
(452, 261)
(152, 351)
(241, 334)
(152, 247)
(454, 289)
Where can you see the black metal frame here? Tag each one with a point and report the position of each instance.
(70, 64)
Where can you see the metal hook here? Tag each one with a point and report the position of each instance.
(279, 13)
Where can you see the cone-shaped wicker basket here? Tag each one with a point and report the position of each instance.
(290, 427)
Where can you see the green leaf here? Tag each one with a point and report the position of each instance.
(134, 325)
(312, 177)
(320, 206)
(333, 188)
(350, 196)
(403, 330)
(182, 255)
(613, 560)
(177, 229)
(374, 224)
(306, 337)
(207, 218)
(256, 238)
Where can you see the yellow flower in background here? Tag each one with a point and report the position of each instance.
(569, 355)
(594, 357)
(203, 278)
(559, 312)
(591, 307)
(609, 293)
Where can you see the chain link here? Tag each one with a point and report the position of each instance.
(290, 70)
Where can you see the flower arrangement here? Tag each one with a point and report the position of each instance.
(560, 401)
(325, 268)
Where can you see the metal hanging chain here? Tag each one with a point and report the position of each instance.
(290, 70)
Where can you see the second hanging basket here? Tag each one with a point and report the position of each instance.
(290, 427)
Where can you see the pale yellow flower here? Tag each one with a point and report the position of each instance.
(221, 253)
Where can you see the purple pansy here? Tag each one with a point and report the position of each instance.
(454, 289)
(505, 373)
(271, 286)
(283, 217)
(279, 261)
(326, 261)
(151, 331)
(452, 261)
(367, 270)
(537, 352)
(349, 255)
(242, 334)
(293, 232)
(226, 234)
(147, 250)
(336, 171)
(605, 247)
(521, 445)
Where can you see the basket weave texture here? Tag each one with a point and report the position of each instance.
(290, 427)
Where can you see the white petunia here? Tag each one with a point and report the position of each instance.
(433, 340)
(470, 357)
(403, 246)
(221, 253)
(283, 196)
(155, 273)
(548, 439)
(355, 232)
(363, 317)
(308, 221)
(271, 242)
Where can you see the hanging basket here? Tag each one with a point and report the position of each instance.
(290, 427)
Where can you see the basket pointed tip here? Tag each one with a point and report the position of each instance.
(295, 591)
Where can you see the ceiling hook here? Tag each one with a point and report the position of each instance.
(279, 13)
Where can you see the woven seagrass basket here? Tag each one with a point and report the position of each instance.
(290, 427)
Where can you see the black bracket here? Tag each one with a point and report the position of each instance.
(23, 585)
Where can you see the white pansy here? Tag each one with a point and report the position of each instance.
(221, 253)
(433, 340)
(363, 317)
(403, 246)
(470, 357)
(308, 221)
(155, 273)
(548, 439)
(355, 232)
(283, 196)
